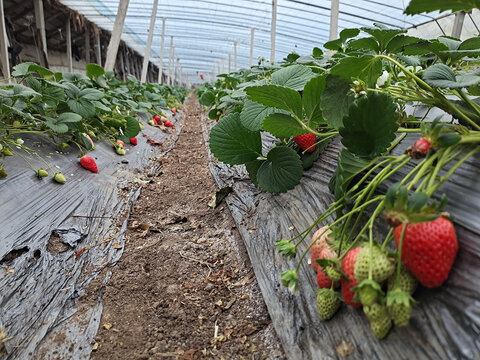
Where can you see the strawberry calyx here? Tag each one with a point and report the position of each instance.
(367, 292)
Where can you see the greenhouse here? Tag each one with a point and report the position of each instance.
(253, 179)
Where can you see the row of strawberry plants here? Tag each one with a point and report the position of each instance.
(363, 94)
(72, 110)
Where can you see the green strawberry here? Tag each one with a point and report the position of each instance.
(399, 306)
(328, 303)
(379, 317)
(406, 281)
(120, 150)
(7, 152)
(381, 327)
(1, 147)
(42, 173)
(382, 265)
(367, 292)
(3, 173)
(333, 273)
(59, 178)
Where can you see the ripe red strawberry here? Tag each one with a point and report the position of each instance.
(323, 281)
(168, 124)
(89, 163)
(156, 118)
(217, 119)
(133, 141)
(201, 76)
(120, 142)
(305, 141)
(429, 250)
(174, 110)
(348, 268)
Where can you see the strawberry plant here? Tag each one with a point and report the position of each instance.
(70, 109)
(377, 87)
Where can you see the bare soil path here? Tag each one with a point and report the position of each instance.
(184, 288)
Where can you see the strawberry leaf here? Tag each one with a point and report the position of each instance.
(367, 68)
(281, 171)
(234, 144)
(252, 168)
(278, 97)
(132, 128)
(336, 100)
(369, 128)
(420, 6)
(94, 71)
(294, 77)
(282, 125)
(311, 100)
(253, 113)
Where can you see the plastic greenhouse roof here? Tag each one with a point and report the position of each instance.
(204, 31)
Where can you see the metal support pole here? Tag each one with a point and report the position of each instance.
(4, 45)
(170, 62)
(273, 31)
(87, 44)
(98, 46)
(116, 34)
(458, 24)
(41, 34)
(335, 5)
(122, 64)
(68, 35)
(162, 47)
(146, 58)
(234, 56)
(252, 41)
(229, 63)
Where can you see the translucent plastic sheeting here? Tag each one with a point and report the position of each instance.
(204, 31)
(445, 324)
(44, 224)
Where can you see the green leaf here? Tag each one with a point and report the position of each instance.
(441, 76)
(54, 92)
(23, 91)
(311, 98)
(367, 68)
(346, 34)
(452, 43)
(369, 128)
(234, 144)
(281, 171)
(253, 113)
(252, 168)
(91, 94)
(294, 77)
(336, 100)
(82, 107)
(207, 99)
(335, 45)
(420, 6)
(348, 166)
(317, 52)
(56, 125)
(425, 47)
(43, 72)
(383, 36)
(34, 83)
(132, 128)
(282, 125)
(398, 43)
(99, 105)
(73, 77)
(6, 109)
(278, 97)
(470, 44)
(22, 69)
(94, 71)
(364, 44)
(68, 117)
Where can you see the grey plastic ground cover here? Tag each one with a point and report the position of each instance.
(40, 282)
(445, 324)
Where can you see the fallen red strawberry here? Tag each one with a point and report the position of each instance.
(305, 141)
(174, 110)
(168, 124)
(216, 119)
(89, 163)
(156, 118)
(120, 142)
(133, 141)
(348, 268)
(429, 250)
